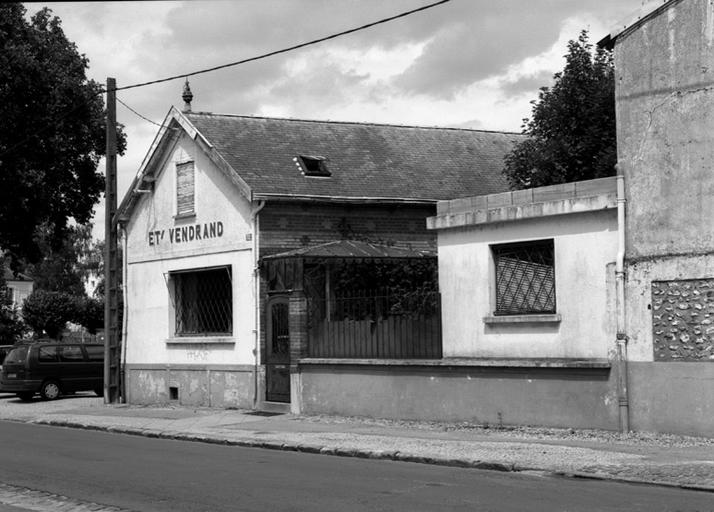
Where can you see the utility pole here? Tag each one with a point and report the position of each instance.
(112, 343)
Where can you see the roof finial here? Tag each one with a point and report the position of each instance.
(187, 97)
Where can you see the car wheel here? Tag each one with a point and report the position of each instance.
(25, 396)
(50, 390)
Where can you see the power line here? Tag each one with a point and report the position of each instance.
(223, 66)
(284, 50)
(137, 113)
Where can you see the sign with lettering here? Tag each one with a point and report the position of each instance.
(184, 234)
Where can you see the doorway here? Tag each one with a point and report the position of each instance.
(277, 360)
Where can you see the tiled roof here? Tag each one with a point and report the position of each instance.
(351, 249)
(365, 160)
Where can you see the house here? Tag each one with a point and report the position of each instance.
(19, 287)
(247, 238)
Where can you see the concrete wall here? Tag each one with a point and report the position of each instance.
(664, 68)
(563, 397)
(158, 360)
(664, 71)
(196, 385)
(584, 244)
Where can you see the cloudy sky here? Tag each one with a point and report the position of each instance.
(466, 63)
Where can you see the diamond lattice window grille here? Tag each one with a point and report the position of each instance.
(525, 278)
(204, 303)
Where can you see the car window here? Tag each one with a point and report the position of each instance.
(47, 354)
(95, 352)
(71, 353)
(16, 355)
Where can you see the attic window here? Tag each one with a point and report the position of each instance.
(185, 189)
(313, 166)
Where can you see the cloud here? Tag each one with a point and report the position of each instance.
(468, 63)
(482, 39)
(527, 84)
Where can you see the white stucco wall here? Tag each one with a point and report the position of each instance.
(153, 253)
(20, 291)
(584, 245)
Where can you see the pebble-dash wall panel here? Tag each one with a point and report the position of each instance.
(683, 320)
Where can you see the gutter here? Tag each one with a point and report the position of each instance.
(342, 199)
(256, 297)
(621, 337)
(125, 313)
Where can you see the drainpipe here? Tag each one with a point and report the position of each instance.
(621, 339)
(125, 309)
(256, 297)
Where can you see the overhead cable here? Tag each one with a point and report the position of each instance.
(284, 50)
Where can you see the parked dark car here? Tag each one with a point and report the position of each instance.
(4, 350)
(53, 368)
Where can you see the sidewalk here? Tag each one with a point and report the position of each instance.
(685, 462)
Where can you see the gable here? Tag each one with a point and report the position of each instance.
(174, 127)
(162, 223)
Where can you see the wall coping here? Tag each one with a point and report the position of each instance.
(466, 362)
(576, 197)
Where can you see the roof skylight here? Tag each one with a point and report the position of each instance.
(315, 166)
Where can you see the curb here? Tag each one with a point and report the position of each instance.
(631, 480)
(368, 454)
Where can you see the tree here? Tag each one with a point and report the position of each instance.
(51, 134)
(67, 267)
(49, 312)
(90, 314)
(571, 133)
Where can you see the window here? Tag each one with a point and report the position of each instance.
(95, 352)
(315, 166)
(47, 354)
(185, 189)
(525, 278)
(71, 354)
(203, 302)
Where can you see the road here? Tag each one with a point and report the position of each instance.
(142, 474)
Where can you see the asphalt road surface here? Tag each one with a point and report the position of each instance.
(50, 468)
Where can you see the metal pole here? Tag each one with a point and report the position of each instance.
(112, 356)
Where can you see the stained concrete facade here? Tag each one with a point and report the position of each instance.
(664, 67)
(206, 370)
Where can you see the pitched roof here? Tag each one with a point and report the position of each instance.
(9, 275)
(351, 249)
(365, 160)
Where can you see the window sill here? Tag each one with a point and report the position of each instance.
(201, 340)
(184, 216)
(523, 319)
